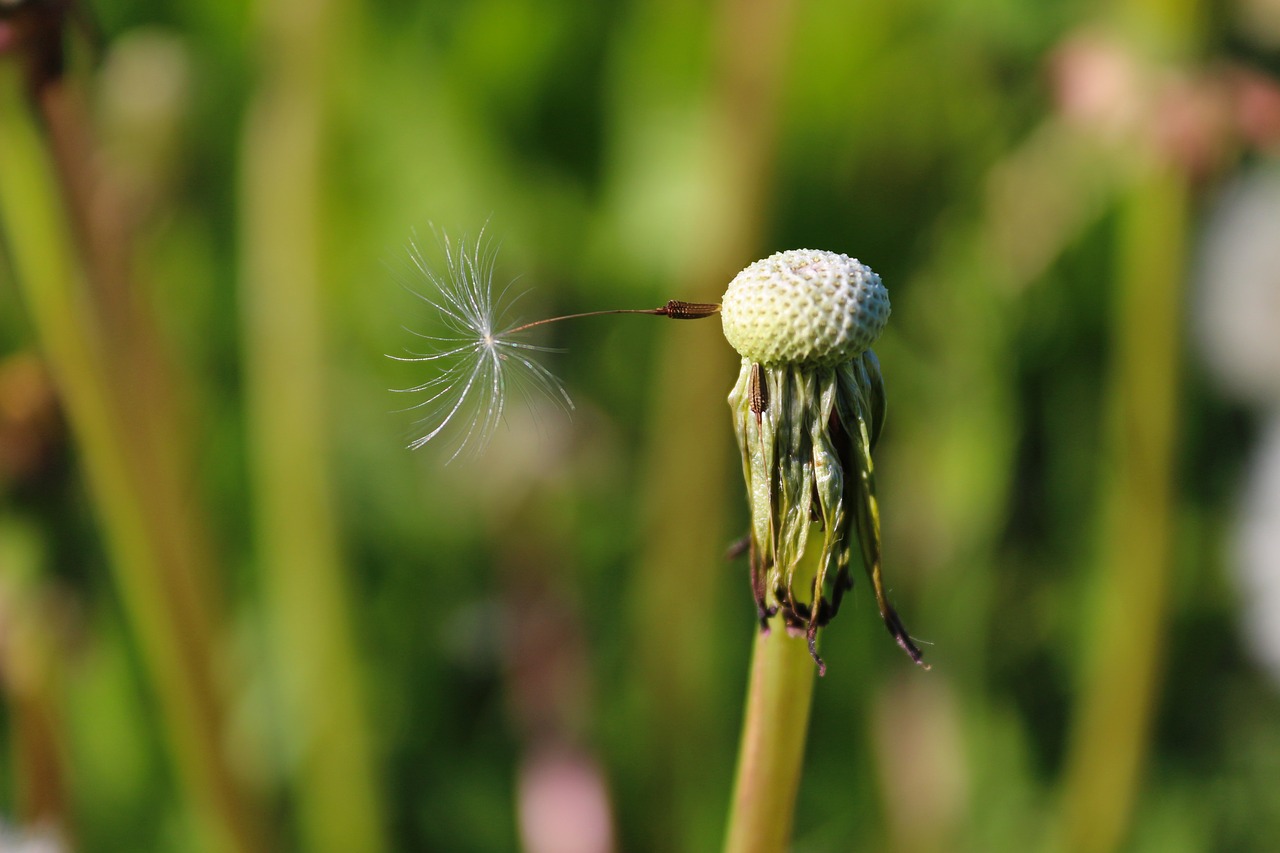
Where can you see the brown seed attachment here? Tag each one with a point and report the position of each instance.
(677, 310)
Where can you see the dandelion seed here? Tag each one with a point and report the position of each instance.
(480, 356)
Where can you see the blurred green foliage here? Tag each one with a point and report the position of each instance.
(396, 647)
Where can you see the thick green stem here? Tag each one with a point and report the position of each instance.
(774, 728)
(771, 752)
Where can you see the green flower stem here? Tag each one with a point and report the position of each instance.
(774, 729)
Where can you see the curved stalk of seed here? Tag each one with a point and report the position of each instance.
(675, 309)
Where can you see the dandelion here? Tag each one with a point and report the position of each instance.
(808, 407)
(807, 410)
(481, 355)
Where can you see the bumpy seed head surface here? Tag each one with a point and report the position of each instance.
(804, 306)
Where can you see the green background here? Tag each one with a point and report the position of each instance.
(390, 645)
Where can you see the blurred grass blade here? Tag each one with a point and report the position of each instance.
(1113, 721)
(316, 664)
(128, 446)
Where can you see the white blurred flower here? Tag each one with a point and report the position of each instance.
(1258, 552)
(40, 839)
(1239, 300)
(1239, 326)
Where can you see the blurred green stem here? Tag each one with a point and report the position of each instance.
(1111, 728)
(296, 524)
(771, 754)
(1113, 720)
(111, 375)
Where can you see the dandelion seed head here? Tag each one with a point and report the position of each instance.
(477, 355)
(808, 408)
